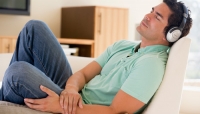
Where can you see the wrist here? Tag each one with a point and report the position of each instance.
(71, 87)
(60, 110)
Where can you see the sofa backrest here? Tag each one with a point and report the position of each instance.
(168, 97)
(78, 63)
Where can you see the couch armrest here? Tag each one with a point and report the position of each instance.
(5, 61)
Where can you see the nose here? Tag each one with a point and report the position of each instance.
(147, 17)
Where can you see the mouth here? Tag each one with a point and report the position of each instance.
(144, 24)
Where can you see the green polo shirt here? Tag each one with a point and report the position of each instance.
(138, 75)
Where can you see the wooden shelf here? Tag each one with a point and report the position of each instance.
(8, 37)
(86, 46)
(76, 41)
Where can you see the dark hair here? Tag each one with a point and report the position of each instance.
(176, 18)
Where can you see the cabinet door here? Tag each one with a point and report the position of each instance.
(111, 25)
(77, 22)
(12, 45)
(100, 31)
(5, 45)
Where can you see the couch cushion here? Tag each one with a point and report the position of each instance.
(11, 108)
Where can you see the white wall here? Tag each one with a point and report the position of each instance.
(45, 10)
(49, 12)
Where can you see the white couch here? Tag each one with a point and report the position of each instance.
(167, 99)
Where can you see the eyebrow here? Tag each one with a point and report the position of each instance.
(157, 13)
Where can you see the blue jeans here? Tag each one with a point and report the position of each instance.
(37, 60)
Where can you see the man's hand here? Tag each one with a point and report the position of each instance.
(48, 104)
(70, 99)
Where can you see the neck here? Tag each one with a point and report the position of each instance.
(145, 42)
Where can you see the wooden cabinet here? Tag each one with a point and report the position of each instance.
(101, 25)
(7, 44)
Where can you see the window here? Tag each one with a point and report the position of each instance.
(193, 68)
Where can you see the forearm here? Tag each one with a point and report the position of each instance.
(80, 78)
(96, 109)
(76, 81)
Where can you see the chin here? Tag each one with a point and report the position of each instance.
(138, 29)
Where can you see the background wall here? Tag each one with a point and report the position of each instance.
(45, 10)
(49, 12)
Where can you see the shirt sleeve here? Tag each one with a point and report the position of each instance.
(144, 79)
(105, 56)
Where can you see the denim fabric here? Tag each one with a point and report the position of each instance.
(37, 60)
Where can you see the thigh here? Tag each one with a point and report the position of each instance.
(23, 80)
(38, 46)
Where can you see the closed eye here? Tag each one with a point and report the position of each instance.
(158, 16)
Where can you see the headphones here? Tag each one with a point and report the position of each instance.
(174, 33)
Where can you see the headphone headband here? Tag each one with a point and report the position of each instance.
(174, 33)
(185, 16)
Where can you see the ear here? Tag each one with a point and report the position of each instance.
(164, 38)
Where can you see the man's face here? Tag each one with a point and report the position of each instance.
(153, 24)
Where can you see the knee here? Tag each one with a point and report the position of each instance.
(16, 71)
(34, 23)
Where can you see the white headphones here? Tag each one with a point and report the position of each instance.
(174, 33)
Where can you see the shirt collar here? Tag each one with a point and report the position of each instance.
(152, 48)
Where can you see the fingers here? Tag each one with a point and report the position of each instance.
(47, 90)
(80, 104)
(65, 105)
(61, 101)
(70, 105)
(69, 100)
(35, 104)
(74, 105)
(34, 101)
(62, 98)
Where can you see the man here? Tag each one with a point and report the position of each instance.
(122, 80)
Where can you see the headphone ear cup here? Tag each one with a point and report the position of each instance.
(173, 34)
